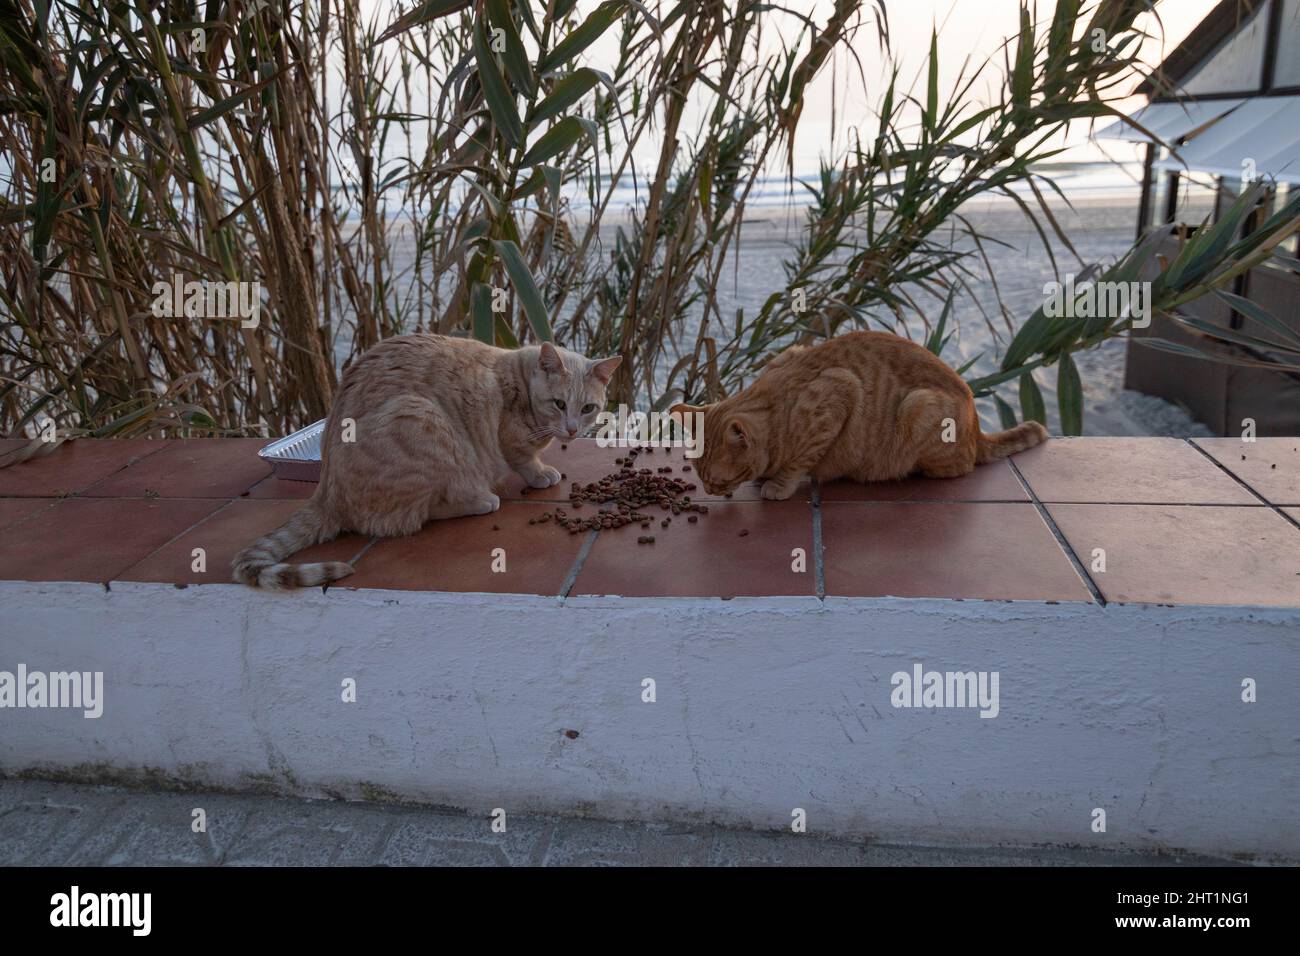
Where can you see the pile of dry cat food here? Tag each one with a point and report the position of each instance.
(629, 489)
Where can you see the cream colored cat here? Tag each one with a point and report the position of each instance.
(438, 421)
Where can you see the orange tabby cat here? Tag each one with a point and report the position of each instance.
(422, 428)
(869, 406)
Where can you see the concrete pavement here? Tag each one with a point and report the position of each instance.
(46, 824)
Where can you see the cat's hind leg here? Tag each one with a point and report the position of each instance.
(937, 433)
(430, 471)
(484, 505)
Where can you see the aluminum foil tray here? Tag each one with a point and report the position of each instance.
(296, 457)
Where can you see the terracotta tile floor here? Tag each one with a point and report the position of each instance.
(75, 466)
(1174, 526)
(95, 539)
(769, 546)
(971, 550)
(1128, 470)
(461, 554)
(199, 468)
(1180, 554)
(13, 510)
(279, 489)
(1269, 465)
(223, 534)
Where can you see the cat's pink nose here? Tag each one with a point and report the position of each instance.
(573, 433)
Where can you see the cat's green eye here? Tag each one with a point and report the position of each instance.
(588, 408)
(559, 403)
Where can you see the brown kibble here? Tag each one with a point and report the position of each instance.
(686, 467)
(496, 528)
(693, 518)
(743, 533)
(564, 448)
(621, 496)
(571, 734)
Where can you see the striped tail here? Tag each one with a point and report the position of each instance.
(260, 564)
(1001, 444)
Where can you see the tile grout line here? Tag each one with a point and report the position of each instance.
(576, 569)
(374, 540)
(1022, 501)
(163, 443)
(1276, 509)
(1061, 540)
(176, 537)
(26, 518)
(839, 501)
(79, 496)
(818, 564)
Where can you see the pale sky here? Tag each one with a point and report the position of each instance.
(973, 29)
(977, 28)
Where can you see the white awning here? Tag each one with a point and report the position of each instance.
(1170, 122)
(1262, 138)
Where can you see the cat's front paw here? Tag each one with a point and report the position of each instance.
(486, 505)
(544, 477)
(775, 489)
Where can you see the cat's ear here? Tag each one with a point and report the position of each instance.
(549, 358)
(737, 433)
(603, 369)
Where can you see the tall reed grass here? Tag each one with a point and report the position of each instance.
(449, 167)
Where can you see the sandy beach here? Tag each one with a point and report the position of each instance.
(1100, 228)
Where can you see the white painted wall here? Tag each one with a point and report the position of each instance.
(763, 706)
